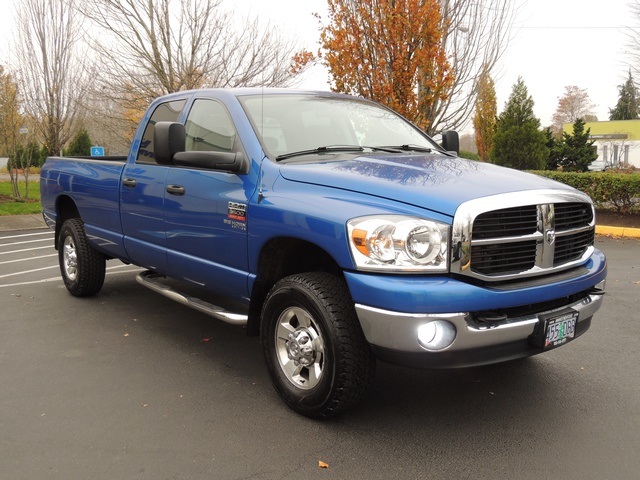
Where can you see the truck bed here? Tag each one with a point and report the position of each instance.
(92, 183)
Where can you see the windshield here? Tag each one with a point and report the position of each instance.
(291, 123)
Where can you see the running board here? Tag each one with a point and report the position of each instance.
(152, 281)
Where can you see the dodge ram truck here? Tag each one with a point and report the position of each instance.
(335, 230)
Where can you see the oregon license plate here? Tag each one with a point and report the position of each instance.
(560, 329)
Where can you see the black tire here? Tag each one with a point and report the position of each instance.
(82, 267)
(317, 356)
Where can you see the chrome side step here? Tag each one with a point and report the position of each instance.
(152, 281)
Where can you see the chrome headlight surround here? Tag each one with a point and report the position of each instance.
(399, 244)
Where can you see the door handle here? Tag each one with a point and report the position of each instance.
(175, 189)
(129, 182)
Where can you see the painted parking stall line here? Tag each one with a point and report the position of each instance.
(30, 259)
(115, 270)
(23, 261)
(24, 272)
(22, 235)
(41, 240)
(27, 256)
(50, 247)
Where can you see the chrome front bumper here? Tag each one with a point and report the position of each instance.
(394, 335)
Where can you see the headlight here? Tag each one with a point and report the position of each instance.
(399, 243)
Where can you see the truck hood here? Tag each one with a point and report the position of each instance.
(436, 182)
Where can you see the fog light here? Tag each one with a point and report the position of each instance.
(436, 335)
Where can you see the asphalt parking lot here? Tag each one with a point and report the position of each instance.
(129, 385)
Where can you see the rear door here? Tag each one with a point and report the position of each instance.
(142, 192)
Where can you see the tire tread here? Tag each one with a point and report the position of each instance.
(91, 263)
(355, 363)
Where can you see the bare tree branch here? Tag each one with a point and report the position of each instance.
(153, 47)
(51, 67)
(476, 34)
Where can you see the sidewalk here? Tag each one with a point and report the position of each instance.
(10, 223)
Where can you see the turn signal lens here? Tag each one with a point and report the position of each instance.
(359, 240)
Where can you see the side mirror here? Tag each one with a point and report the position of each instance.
(451, 141)
(169, 138)
(169, 145)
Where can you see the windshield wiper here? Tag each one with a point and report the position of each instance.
(336, 148)
(383, 149)
(409, 148)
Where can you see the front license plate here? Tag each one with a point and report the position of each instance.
(559, 330)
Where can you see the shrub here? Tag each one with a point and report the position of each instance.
(620, 190)
(469, 155)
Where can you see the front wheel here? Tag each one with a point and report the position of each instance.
(318, 359)
(82, 268)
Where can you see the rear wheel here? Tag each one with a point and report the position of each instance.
(318, 359)
(82, 268)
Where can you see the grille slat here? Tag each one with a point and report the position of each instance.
(506, 222)
(503, 258)
(517, 256)
(571, 247)
(572, 215)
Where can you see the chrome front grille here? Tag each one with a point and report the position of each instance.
(536, 233)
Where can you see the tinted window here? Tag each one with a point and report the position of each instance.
(165, 112)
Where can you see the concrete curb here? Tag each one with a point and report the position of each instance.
(618, 231)
(10, 223)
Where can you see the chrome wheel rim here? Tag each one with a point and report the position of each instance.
(70, 259)
(299, 348)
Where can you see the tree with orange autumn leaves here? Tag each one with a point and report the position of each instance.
(486, 116)
(390, 51)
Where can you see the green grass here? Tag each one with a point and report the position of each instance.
(20, 206)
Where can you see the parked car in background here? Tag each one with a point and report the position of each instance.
(598, 166)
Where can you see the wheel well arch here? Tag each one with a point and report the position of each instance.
(66, 208)
(282, 257)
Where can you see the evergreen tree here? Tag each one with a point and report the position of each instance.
(628, 106)
(80, 145)
(484, 121)
(519, 142)
(578, 151)
(44, 153)
(555, 146)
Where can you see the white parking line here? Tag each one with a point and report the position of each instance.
(28, 271)
(59, 279)
(26, 250)
(54, 279)
(27, 235)
(24, 242)
(28, 259)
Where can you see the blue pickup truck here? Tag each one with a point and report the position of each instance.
(336, 231)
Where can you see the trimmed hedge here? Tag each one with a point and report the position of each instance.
(620, 190)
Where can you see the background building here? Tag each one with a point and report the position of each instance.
(617, 141)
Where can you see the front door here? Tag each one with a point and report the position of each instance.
(205, 210)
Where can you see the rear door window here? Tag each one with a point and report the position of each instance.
(165, 112)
